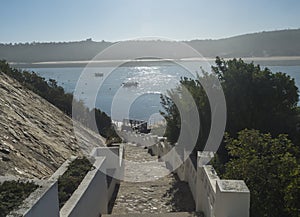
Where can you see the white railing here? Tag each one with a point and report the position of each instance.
(92, 196)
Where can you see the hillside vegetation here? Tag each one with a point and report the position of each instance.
(263, 44)
(262, 140)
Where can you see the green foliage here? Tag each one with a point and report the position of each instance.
(275, 43)
(171, 113)
(72, 178)
(12, 194)
(172, 117)
(56, 95)
(112, 137)
(270, 168)
(256, 98)
(52, 51)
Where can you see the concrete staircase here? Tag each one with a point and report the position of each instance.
(164, 197)
(174, 214)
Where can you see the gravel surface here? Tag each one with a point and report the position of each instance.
(164, 195)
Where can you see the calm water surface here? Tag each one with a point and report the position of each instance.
(151, 80)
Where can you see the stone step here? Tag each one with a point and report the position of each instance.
(172, 214)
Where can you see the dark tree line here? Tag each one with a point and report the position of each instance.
(56, 95)
(61, 51)
(263, 44)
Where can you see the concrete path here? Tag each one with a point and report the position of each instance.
(164, 195)
(174, 214)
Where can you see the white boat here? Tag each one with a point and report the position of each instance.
(130, 84)
(99, 74)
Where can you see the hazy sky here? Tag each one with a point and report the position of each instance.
(112, 20)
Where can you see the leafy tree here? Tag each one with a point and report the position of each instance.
(270, 168)
(257, 98)
(172, 115)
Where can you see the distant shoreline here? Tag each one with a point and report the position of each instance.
(267, 61)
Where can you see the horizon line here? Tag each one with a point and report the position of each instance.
(137, 39)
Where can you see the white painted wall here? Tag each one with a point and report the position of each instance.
(232, 203)
(191, 177)
(93, 194)
(42, 202)
(139, 139)
(220, 198)
(90, 198)
(114, 159)
(47, 205)
(206, 190)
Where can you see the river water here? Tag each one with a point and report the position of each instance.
(146, 83)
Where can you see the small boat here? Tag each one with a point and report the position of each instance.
(130, 84)
(99, 74)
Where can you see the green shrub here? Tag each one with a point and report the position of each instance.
(12, 194)
(72, 178)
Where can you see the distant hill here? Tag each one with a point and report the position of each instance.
(263, 44)
(61, 51)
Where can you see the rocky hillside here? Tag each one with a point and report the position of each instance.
(36, 137)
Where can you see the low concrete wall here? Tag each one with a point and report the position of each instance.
(46, 205)
(114, 160)
(62, 169)
(95, 191)
(191, 177)
(42, 202)
(232, 198)
(218, 197)
(114, 165)
(139, 139)
(90, 198)
(206, 188)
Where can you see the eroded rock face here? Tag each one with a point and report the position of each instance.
(35, 136)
